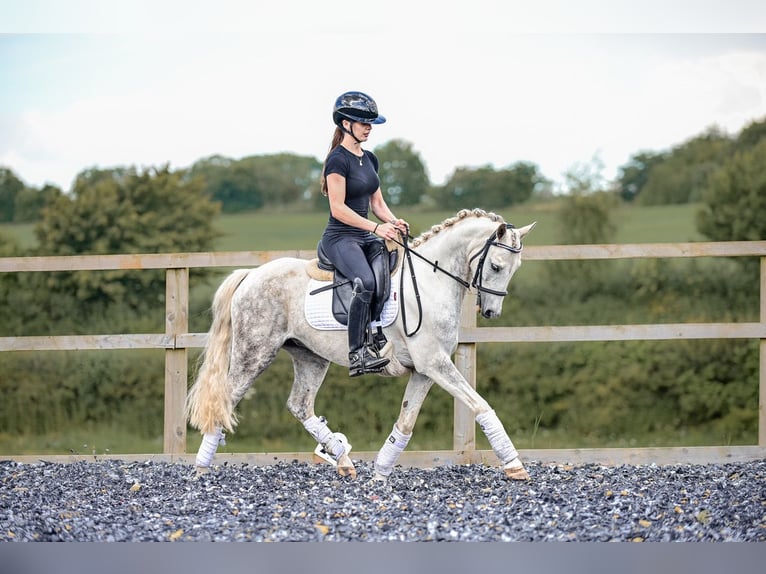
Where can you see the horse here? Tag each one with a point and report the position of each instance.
(256, 312)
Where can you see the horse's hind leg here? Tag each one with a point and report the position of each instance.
(310, 371)
(414, 395)
(247, 363)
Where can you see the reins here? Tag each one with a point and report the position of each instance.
(477, 278)
(434, 265)
(476, 282)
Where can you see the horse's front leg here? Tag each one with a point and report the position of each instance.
(414, 395)
(445, 374)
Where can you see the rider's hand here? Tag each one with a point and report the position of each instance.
(391, 229)
(401, 225)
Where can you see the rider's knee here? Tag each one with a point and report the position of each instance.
(364, 282)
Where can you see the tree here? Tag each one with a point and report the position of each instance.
(734, 206)
(490, 189)
(586, 212)
(403, 178)
(123, 211)
(585, 217)
(522, 180)
(633, 176)
(683, 175)
(228, 184)
(256, 181)
(751, 135)
(10, 187)
(283, 179)
(9, 287)
(19, 203)
(30, 202)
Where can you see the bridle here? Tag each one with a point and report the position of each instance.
(476, 282)
(482, 255)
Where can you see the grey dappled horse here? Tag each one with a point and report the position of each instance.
(257, 312)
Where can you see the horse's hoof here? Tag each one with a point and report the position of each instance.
(378, 483)
(320, 459)
(346, 467)
(518, 473)
(349, 471)
(199, 471)
(378, 478)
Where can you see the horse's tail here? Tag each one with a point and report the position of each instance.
(209, 402)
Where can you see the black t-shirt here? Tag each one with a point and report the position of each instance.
(361, 174)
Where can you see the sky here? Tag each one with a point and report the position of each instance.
(92, 83)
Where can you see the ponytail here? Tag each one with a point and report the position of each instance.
(337, 137)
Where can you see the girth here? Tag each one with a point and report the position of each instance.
(383, 263)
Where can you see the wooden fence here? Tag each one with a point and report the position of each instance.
(176, 340)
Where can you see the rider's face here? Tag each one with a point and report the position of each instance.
(360, 130)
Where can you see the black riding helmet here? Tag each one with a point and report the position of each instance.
(357, 107)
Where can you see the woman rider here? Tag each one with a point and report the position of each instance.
(350, 181)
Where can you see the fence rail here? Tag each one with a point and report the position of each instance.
(176, 341)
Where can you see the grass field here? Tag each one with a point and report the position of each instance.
(264, 230)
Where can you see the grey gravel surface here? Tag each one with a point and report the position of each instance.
(149, 501)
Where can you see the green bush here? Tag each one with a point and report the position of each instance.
(45, 392)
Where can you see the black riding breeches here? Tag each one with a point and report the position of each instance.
(350, 256)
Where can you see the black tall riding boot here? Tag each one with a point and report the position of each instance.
(361, 358)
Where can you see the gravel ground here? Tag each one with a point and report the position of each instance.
(150, 501)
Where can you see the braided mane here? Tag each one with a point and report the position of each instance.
(450, 221)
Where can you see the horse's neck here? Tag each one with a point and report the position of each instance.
(454, 247)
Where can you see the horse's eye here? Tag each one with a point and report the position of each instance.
(495, 267)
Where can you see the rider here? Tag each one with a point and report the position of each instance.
(350, 181)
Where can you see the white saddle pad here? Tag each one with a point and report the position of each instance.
(319, 306)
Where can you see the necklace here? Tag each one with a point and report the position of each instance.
(359, 157)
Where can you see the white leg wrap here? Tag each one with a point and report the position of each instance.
(317, 427)
(497, 437)
(389, 453)
(210, 442)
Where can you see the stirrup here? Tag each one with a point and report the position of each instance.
(367, 362)
(365, 370)
(378, 342)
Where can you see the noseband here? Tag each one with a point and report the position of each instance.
(482, 255)
(477, 277)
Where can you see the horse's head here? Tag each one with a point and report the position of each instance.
(496, 262)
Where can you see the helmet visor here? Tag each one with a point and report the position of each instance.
(362, 117)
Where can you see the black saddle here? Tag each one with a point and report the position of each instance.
(383, 263)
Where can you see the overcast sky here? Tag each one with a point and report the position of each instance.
(87, 83)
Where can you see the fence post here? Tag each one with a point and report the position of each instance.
(176, 323)
(464, 425)
(762, 363)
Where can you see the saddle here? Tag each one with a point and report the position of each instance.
(383, 263)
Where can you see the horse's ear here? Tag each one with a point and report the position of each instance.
(526, 229)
